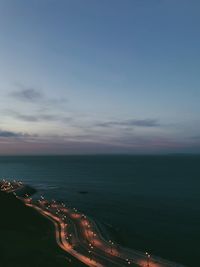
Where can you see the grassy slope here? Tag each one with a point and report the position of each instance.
(27, 238)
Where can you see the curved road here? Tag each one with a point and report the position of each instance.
(79, 235)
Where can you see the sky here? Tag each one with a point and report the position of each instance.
(99, 76)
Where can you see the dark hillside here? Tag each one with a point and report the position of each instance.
(27, 238)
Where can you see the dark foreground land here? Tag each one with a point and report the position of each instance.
(27, 239)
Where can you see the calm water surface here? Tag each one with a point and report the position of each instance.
(152, 201)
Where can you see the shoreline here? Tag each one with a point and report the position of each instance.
(127, 255)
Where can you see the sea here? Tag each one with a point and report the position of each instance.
(149, 203)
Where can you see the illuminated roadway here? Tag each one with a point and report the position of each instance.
(79, 235)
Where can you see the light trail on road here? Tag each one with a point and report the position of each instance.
(78, 235)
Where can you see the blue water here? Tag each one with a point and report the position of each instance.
(152, 202)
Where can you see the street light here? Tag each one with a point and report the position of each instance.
(128, 261)
(148, 258)
(111, 246)
(93, 237)
(90, 250)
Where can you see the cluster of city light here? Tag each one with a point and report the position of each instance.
(10, 186)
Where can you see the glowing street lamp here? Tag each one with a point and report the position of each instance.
(148, 258)
(111, 246)
(128, 261)
(90, 250)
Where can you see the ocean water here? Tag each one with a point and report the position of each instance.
(152, 202)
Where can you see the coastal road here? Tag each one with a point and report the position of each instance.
(78, 235)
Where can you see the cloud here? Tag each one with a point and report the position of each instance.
(10, 134)
(35, 118)
(196, 137)
(20, 143)
(128, 123)
(66, 143)
(27, 94)
(29, 118)
(36, 96)
(38, 117)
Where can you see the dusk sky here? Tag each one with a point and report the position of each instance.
(99, 76)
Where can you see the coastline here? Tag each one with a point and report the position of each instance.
(104, 252)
